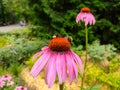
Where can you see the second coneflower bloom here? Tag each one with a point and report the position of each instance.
(59, 61)
(86, 16)
(20, 88)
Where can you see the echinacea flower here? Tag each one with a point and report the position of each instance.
(59, 61)
(6, 77)
(20, 88)
(2, 83)
(86, 16)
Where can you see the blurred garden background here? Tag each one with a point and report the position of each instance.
(38, 20)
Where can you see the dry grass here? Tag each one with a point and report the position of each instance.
(38, 83)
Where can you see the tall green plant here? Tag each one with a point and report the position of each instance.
(88, 18)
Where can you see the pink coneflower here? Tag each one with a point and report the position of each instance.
(20, 88)
(2, 83)
(6, 77)
(59, 61)
(86, 16)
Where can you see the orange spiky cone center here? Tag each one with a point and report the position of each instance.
(85, 9)
(59, 44)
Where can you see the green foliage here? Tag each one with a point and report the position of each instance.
(109, 81)
(3, 42)
(95, 87)
(112, 79)
(59, 16)
(78, 50)
(40, 32)
(114, 65)
(30, 63)
(7, 40)
(100, 53)
(93, 74)
(3, 70)
(15, 11)
(8, 87)
(24, 33)
(15, 68)
(21, 50)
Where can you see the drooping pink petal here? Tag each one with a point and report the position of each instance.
(83, 16)
(86, 20)
(2, 83)
(74, 66)
(39, 65)
(59, 67)
(39, 53)
(51, 71)
(44, 48)
(80, 17)
(75, 69)
(43, 55)
(77, 60)
(64, 71)
(92, 19)
(72, 71)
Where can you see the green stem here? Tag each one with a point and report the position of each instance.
(86, 58)
(61, 86)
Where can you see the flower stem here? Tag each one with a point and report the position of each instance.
(61, 86)
(86, 58)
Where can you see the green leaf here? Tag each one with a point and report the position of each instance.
(95, 87)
